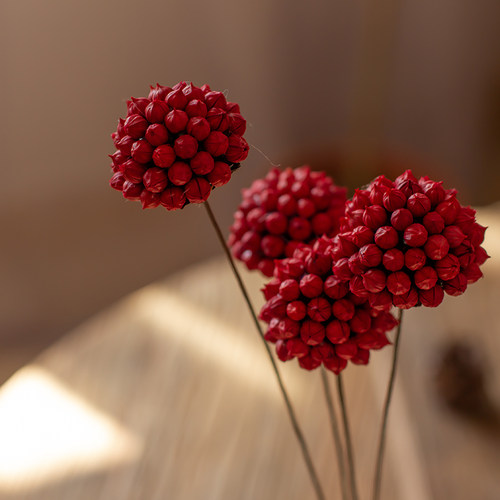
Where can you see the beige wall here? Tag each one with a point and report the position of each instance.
(308, 75)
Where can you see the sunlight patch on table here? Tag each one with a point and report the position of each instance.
(48, 433)
(233, 349)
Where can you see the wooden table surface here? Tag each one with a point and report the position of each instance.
(169, 395)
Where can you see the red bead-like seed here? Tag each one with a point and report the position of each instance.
(299, 228)
(176, 121)
(343, 309)
(155, 180)
(425, 278)
(433, 222)
(237, 149)
(393, 259)
(156, 134)
(370, 255)
(418, 204)
(432, 297)
(197, 190)
(185, 146)
(374, 280)
(289, 290)
(374, 216)
(180, 173)
(296, 310)
(319, 309)
(164, 156)
(220, 175)
(276, 223)
(312, 332)
(394, 199)
(173, 198)
(156, 111)
(335, 288)
(436, 247)
(386, 237)
(415, 259)
(337, 331)
(311, 285)
(415, 235)
(398, 283)
(198, 127)
(216, 144)
(202, 163)
(142, 151)
(272, 246)
(401, 219)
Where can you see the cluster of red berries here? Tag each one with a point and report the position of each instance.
(280, 211)
(314, 317)
(176, 145)
(405, 243)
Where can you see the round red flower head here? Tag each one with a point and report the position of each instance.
(407, 242)
(176, 145)
(314, 317)
(282, 210)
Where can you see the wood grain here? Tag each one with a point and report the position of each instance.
(175, 384)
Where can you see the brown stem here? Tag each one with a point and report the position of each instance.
(381, 446)
(300, 437)
(335, 433)
(348, 442)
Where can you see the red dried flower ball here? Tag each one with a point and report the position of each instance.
(312, 315)
(407, 241)
(292, 206)
(176, 145)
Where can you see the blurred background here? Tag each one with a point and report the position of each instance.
(358, 88)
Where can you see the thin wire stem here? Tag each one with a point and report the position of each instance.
(335, 433)
(348, 442)
(300, 437)
(383, 429)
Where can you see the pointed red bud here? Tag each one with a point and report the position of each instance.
(393, 260)
(343, 309)
(237, 149)
(312, 332)
(176, 99)
(180, 173)
(415, 258)
(425, 278)
(362, 235)
(415, 235)
(433, 222)
(173, 198)
(361, 322)
(289, 290)
(337, 331)
(401, 219)
(176, 121)
(347, 350)
(394, 199)
(456, 286)
(398, 283)
(216, 144)
(202, 163)
(132, 191)
(149, 199)
(370, 255)
(386, 237)
(448, 267)
(335, 288)
(142, 151)
(374, 216)
(432, 297)
(406, 300)
(164, 156)
(198, 190)
(319, 309)
(135, 126)
(311, 285)
(156, 134)
(374, 280)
